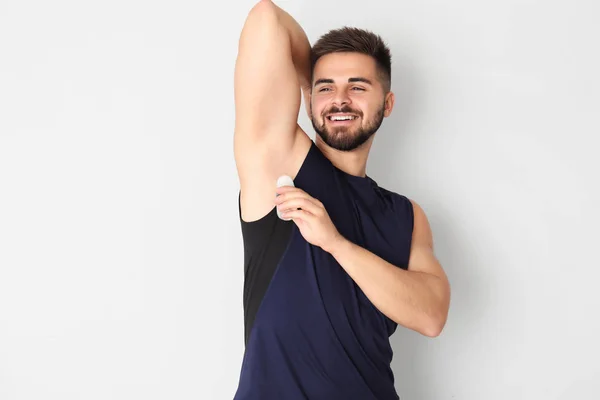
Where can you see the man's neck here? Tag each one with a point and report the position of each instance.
(351, 162)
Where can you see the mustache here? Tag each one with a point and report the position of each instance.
(344, 109)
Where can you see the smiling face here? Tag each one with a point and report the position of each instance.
(348, 101)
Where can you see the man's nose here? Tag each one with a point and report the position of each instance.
(341, 98)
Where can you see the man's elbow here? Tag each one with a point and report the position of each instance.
(435, 321)
(265, 9)
(429, 325)
(434, 326)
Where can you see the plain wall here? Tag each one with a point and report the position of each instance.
(120, 247)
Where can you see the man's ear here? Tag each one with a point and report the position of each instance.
(389, 103)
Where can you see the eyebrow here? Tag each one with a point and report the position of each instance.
(350, 80)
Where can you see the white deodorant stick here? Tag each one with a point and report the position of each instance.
(283, 180)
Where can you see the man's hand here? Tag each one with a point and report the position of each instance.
(309, 215)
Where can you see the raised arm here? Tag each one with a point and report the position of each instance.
(273, 64)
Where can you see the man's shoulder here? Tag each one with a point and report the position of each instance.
(399, 202)
(394, 193)
(409, 206)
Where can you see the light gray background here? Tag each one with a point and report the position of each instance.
(120, 248)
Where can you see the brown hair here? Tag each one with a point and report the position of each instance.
(348, 39)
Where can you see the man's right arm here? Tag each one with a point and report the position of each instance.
(273, 63)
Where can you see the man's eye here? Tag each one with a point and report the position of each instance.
(323, 89)
(357, 88)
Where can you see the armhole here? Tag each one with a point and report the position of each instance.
(411, 226)
(406, 222)
(411, 217)
(256, 188)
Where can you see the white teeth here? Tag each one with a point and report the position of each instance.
(341, 118)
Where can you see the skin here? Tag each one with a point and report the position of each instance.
(335, 89)
(417, 298)
(273, 63)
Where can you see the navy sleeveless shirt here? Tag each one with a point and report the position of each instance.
(311, 333)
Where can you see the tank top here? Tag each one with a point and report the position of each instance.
(310, 331)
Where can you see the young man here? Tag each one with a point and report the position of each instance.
(326, 284)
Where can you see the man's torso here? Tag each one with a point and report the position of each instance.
(310, 332)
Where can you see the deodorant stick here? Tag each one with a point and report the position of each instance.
(284, 180)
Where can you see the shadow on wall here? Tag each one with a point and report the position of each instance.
(416, 356)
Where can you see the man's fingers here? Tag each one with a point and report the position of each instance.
(297, 214)
(290, 191)
(293, 198)
(302, 203)
(295, 193)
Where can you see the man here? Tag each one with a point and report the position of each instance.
(326, 284)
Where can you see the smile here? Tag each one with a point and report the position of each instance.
(341, 117)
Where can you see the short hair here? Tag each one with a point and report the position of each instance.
(350, 39)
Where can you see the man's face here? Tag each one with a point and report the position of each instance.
(348, 102)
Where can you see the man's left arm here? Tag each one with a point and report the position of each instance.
(417, 298)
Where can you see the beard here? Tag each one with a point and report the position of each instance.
(347, 138)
